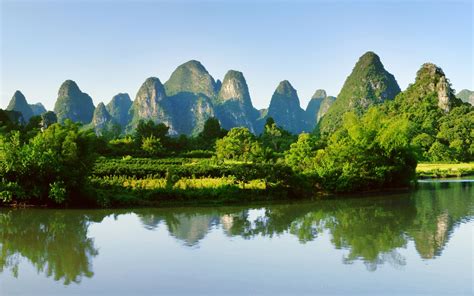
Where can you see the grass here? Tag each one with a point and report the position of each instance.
(443, 170)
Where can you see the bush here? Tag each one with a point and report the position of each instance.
(51, 168)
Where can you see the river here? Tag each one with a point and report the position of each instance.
(417, 242)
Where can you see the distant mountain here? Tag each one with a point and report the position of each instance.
(317, 107)
(313, 106)
(441, 124)
(37, 109)
(18, 103)
(431, 91)
(119, 108)
(368, 84)
(285, 109)
(325, 105)
(192, 95)
(191, 77)
(191, 91)
(101, 118)
(234, 106)
(466, 96)
(73, 104)
(152, 103)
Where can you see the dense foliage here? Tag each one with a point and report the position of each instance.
(50, 168)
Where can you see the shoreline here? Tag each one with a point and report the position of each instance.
(241, 198)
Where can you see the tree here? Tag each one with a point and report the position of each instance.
(239, 144)
(368, 152)
(152, 145)
(47, 119)
(276, 138)
(149, 128)
(50, 168)
(211, 132)
(301, 155)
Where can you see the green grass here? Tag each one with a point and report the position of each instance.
(443, 170)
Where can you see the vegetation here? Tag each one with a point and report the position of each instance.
(443, 170)
(39, 170)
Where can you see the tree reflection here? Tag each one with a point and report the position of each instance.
(371, 229)
(55, 242)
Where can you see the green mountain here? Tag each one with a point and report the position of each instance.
(285, 109)
(191, 92)
(325, 105)
(234, 106)
(443, 125)
(431, 92)
(314, 104)
(466, 96)
(73, 104)
(367, 85)
(18, 103)
(37, 109)
(317, 107)
(119, 108)
(191, 77)
(152, 103)
(101, 118)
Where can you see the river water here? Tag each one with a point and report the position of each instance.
(418, 242)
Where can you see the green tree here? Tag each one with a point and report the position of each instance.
(47, 119)
(149, 128)
(50, 168)
(211, 132)
(239, 144)
(152, 146)
(301, 156)
(276, 138)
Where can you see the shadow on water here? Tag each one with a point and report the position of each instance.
(371, 229)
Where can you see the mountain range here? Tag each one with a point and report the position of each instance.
(191, 96)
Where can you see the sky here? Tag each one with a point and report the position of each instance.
(109, 46)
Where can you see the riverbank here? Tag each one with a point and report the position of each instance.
(444, 170)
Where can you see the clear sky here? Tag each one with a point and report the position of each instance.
(109, 47)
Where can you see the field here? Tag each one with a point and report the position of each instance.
(151, 181)
(442, 170)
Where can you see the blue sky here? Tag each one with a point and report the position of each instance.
(109, 47)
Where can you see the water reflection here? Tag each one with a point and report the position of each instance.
(54, 242)
(371, 229)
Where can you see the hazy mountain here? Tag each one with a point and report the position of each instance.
(191, 91)
(119, 108)
(285, 109)
(466, 96)
(101, 118)
(234, 106)
(191, 77)
(37, 109)
(73, 104)
(317, 107)
(18, 103)
(368, 84)
(151, 102)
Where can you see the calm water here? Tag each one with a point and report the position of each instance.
(411, 243)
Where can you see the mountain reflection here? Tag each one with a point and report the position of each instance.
(371, 229)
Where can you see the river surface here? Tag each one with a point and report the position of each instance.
(418, 242)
